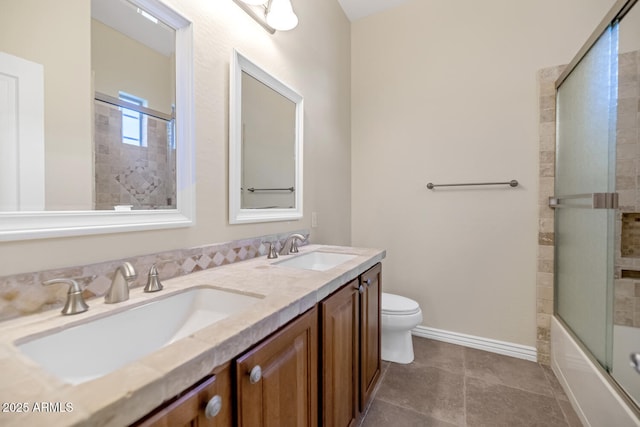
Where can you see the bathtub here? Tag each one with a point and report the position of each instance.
(626, 340)
(594, 398)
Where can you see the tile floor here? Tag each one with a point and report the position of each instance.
(449, 385)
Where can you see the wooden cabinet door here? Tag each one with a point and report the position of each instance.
(286, 392)
(339, 341)
(190, 408)
(370, 327)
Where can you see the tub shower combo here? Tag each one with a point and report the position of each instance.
(596, 327)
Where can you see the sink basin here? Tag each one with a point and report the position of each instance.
(318, 261)
(102, 345)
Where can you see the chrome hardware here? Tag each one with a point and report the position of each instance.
(213, 407)
(272, 254)
(75, 301)
(119, 289)
(290, 245)
(290, 189)
(360, 288)
(368, 282)
(153, 282)
(255, 375)
(598, 201)
(635, 361)
(512, 183)
(135, 107)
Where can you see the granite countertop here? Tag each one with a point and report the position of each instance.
(128, 393)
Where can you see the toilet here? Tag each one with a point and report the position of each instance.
(399, 316)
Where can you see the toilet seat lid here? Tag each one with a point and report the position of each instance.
(397, 304)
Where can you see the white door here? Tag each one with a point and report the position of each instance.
(21, 134)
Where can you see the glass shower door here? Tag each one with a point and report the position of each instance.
(626, 306)
(585, 199)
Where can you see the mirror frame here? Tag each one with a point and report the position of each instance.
(238, 215)
(47, 224)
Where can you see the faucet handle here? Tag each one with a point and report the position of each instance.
(75, 301)
(153, 282)
(272, 254)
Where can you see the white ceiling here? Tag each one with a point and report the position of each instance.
(356, 9)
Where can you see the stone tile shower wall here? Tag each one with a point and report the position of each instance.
(143, 177)
(627, 257)
(546, 234)
(24, 294)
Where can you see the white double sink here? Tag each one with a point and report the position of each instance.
(101, 345)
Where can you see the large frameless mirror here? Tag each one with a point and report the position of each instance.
(265, 146)
(96, 118)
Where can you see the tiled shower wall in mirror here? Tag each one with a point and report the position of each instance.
(142, 176)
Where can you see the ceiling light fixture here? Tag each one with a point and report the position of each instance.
(271, 14)
(280, 15)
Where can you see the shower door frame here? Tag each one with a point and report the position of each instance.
(615, 14)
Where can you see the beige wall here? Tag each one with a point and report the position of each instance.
(123, 64)
(445, 92)
(313, 59)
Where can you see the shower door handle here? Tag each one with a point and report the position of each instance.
(635, 361)
(595, 201)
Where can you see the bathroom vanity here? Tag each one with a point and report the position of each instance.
(277, 382)
(306, 352)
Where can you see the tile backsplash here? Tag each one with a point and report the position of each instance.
(24, 294)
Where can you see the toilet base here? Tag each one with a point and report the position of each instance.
(397, 346)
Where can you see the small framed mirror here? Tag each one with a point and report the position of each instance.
(265, 146)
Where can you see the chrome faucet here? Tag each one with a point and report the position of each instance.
(290, 245)
(119, 290)
(75, 301)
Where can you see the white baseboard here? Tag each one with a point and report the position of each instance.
(494, 346)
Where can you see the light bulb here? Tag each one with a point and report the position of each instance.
(281, 16)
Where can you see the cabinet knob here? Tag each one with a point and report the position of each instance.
(213, 407)
(368, 282)
(360, 288)
(255, 375)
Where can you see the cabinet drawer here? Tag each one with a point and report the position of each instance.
(193, 407)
